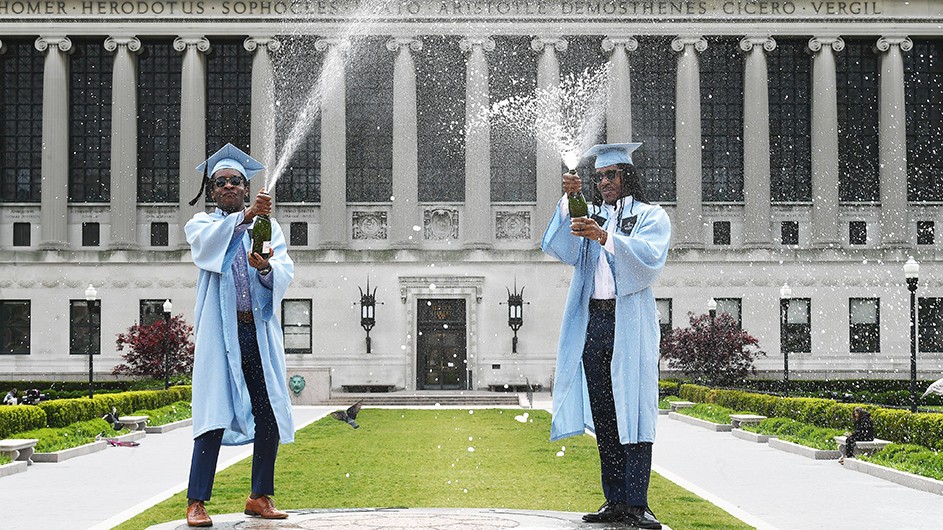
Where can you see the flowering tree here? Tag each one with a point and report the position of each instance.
(720, 356)
(147, 344)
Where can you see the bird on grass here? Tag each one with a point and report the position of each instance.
(936, 388)
(348, 415)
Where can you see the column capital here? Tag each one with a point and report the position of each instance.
(253, 43)
(469, 43)
(630, 44)
(748, 43)
(884, 43)
(322, 45)
(397, 43)
(132, 43)
(817, 43)
(44, 42)
(202, 44)
(683, 41)
(539, 43)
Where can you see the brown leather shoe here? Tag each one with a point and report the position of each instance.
(196, 515)
(263, 507)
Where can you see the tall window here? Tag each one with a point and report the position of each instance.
(297, 67)
(21, 121)
(14, 327)
(930, 327)
(664, 315)
(370, 122)
(228, 95)
(151, 311)
(653, 116)
(159, 72)
(440, 113)
(796, 326)
(296, 325)
(857, 89)
(722, 121)
(90, 115)
(864, 325)
(732, 307)
(83, 327)
(923, 68)
(789, 121)
(513, 153)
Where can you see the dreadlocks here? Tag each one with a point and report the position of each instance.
(631, 185)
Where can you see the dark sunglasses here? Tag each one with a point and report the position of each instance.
(610, 175)
(235, 180)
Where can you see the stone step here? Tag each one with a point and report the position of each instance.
(451, 399)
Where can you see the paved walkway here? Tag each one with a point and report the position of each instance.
(762, 486)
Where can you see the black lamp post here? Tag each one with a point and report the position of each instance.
(515, 312)
(91, 303)
(168, 307)
(785, 293)
(712, 311)
(912, 274)
(368, 302)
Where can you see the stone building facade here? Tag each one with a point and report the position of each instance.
(790, 142)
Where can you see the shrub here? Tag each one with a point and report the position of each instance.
(19, 418)
(147, 346)
(910, 458)
(719, 356)
(62, 412)
(74, 435)
(180, 410)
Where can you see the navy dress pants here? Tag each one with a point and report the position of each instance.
(626, 468)
(265, 448)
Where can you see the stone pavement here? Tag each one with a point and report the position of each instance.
(407, 519)
(763, 487)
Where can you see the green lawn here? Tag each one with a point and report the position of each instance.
(440, 458)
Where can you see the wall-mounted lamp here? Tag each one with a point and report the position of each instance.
(368, 302)
(515, 312)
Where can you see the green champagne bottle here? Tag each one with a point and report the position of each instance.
(577, 203)
(262, 235)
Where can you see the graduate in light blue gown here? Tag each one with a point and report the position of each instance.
(240, 394)
(606, 376)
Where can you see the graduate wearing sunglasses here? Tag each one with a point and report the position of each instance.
(239, 390)
(606, 376)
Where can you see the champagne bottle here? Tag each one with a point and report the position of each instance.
(262, 235)
(577, 203)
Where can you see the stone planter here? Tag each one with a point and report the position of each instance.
(898, 477)
(161, 429)
(801, 450)
(716, 427)
(751, 436)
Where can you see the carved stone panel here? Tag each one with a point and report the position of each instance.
(512, 225)
(369, 225)
(440, 224)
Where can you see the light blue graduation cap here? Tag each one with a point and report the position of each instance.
(229, 157)
(609, 154)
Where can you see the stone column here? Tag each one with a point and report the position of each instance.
(262, 128)
(619, 109)
(405, 211)
(192, 127)
(477, 220)
(333, 212)
(825, 142)
(124, 142)
(548, 155)
(757, 232)
(687, 224)
(895, 219)
(54, 231)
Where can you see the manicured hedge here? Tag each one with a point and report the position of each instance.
(18, 418)
(896, 425)
(62, 412)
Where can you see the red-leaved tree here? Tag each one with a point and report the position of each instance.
(721, 356)
(147, 344)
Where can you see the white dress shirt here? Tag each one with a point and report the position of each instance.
(604, 284)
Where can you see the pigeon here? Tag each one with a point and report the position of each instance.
(112, 418)
(936, 388)
(348, 415)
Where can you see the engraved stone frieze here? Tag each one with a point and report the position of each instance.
(440, 224)
(512, 225)
(369, 225)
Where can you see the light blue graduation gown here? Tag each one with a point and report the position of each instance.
(220, 396)
(638, 260)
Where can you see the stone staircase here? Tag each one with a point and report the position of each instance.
(463, 398)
